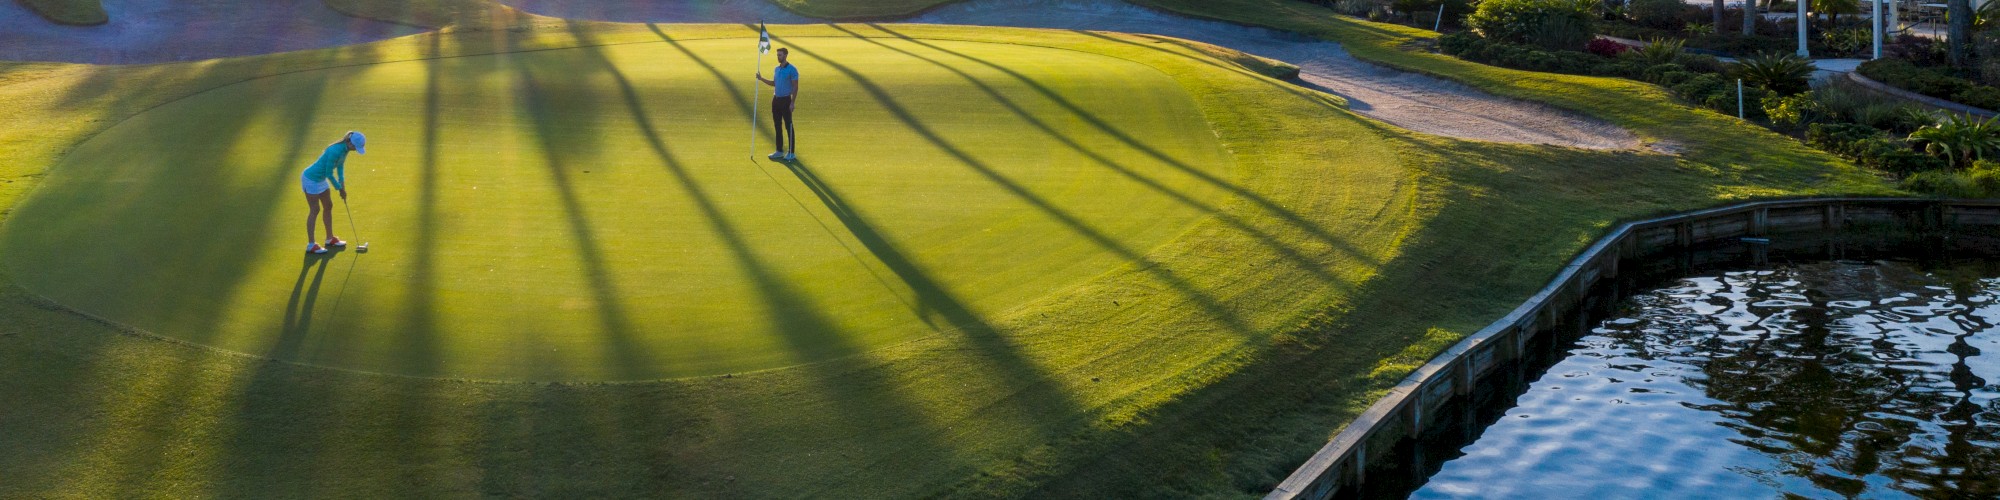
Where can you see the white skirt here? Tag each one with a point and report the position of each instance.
(313, 187)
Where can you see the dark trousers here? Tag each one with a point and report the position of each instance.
(781, 119)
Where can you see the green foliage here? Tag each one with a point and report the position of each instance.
(1519, 21)
(1981, 180)
(1868, 146)
(1356, 8)
(1846, 102)
(1661, 14)
(1959, 139)
(1932, 81)
(1944, 184)
(1658, 51)
(1783, 73)
(1847, 41)
(1561, 33)
(1793, 112)
(1836, 7)
(1699, 29)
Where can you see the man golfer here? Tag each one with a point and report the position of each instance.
(329, 172)
(786, 80)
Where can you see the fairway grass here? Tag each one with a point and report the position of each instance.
(1340, 254)
(594, 214)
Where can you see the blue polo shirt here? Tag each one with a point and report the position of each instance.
(331, 166)
(787, 78)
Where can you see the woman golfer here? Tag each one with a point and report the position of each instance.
(329, 172)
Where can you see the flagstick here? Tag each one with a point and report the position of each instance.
(757, 88)
(756, 92)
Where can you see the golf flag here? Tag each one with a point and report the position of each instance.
(763, 40)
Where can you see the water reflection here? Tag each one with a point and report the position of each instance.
(1831, 379)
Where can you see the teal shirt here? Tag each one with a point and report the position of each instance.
(331, 166)
(786, 79)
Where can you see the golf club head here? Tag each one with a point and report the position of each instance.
(363, 248)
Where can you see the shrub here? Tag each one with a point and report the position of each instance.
(1794, 111)
(1356, 8)
(1959, 139)
(1943, 184)
(1986, 176)
(1847, 41)
(1783, 73)
(1701, 63)
(1672, 78)
(1655, 72)
(1662, 14)
(1913, 49)
(1840, 138)
(1978, 96)
(1517, 20)
(1562, 33)
(1605, 48)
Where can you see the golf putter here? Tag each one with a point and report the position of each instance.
(350, 225)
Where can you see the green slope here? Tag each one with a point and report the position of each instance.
(1313, 202)
(593, 214)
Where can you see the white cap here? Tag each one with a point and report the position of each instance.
(360, 141)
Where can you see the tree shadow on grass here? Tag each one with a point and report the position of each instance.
(1300, 261)
(1295, 220)
(1165, 275)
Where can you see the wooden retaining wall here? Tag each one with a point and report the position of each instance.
(1408, 408)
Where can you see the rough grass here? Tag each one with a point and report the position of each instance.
(1352, 252)
(72, 12)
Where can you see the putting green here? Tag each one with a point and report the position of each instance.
(593, 214)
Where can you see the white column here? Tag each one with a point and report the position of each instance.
(1803, 20)
(1875, 22)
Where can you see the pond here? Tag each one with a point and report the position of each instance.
(1821, 379)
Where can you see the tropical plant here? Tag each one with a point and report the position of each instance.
(1517, 20)
(1784, 73)
(1698, 29)
(1959, 139)
(1658, 51)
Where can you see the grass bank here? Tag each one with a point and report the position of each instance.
(1348, 253)
(71, 12)
(106, 411)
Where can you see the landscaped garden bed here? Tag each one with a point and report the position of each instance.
(1929, 151)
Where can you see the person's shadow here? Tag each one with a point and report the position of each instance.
(299, 311)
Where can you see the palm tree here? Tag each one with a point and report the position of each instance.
(1718, 16)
